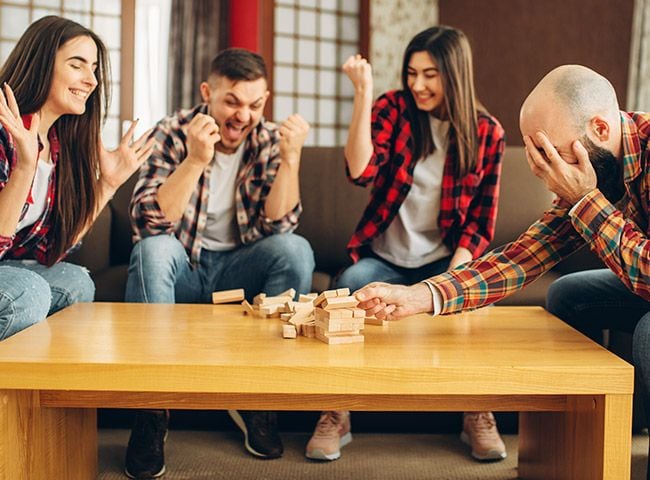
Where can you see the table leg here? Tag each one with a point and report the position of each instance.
(45, 443)
(591, 440)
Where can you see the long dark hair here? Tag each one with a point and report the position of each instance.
(451, 51)
(29, 71)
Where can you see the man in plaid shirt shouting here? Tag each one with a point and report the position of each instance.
(214, 209)
(596, 159)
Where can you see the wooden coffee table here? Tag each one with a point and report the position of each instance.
(575, 397)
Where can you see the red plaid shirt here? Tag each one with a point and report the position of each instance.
(468, 205)
(32, 241)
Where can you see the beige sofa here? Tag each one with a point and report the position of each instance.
(332, 208)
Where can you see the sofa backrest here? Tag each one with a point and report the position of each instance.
(332, 206)
(522, 199)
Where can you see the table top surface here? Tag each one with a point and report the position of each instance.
(210, 348)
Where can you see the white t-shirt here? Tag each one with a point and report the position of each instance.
(221, 231)
(39, 194)
(413, 238)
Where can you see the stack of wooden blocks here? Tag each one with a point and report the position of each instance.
(337, 318)
(331, 317)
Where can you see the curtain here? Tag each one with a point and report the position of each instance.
(638, 97)
(198, 30)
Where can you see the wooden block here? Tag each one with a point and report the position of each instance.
(303, 306)
(320, 313)
(286, 316)
(269, 310)
(341, 325)
(375, 321)
(358, 312)
(248, 308)
(288, 293)
(259, 299)
(342, 292)
(339, 340)
(289, 331)
(339, 302)
(310, 297)
(228, 296)
(302, 316)
(279, 300)
(308, 330)
(326, 294)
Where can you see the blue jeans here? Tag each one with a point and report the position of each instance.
(160, 270)
(29, 292)
(595, 300)
(372, 268)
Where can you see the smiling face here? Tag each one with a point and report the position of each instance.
(425, 83)
(73, 79)
(236, 106)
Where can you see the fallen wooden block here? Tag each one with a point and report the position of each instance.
(228, 296)
(289, 331)
(310, 297)
(308, 330)
(279, 300)
(248, 308)
(288, 293)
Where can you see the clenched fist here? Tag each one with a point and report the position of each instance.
(202, 136)
(293, 133)
(359, 72)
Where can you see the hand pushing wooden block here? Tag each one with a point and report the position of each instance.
(228, 296)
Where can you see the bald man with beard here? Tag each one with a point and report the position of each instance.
(596, 159)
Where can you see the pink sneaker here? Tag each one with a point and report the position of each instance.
(331, 434)
(480, 432)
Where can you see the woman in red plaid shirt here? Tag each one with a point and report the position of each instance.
(432, 155)
(55, 174)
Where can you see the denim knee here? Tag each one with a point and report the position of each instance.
(561, 296)
(25, 300)
(353, 278)
(157, 254)
(153, 268)
(69, 284)
(295, 251)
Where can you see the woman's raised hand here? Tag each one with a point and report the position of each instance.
(118, 165)
(25, 139)
(359, 71)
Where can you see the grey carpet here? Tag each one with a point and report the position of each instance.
(220, 455)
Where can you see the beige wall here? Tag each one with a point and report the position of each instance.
(392, 24)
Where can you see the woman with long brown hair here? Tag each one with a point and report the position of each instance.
(432, 155)
(55, 174)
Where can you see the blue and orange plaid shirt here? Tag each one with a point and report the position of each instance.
(468, 205)
(32, 241)
(618, 234)
(254, 180)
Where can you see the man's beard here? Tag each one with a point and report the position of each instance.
(609, 174)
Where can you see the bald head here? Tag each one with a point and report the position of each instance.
(574, 93)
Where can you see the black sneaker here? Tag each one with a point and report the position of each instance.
(260, 432)
(145, 455)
